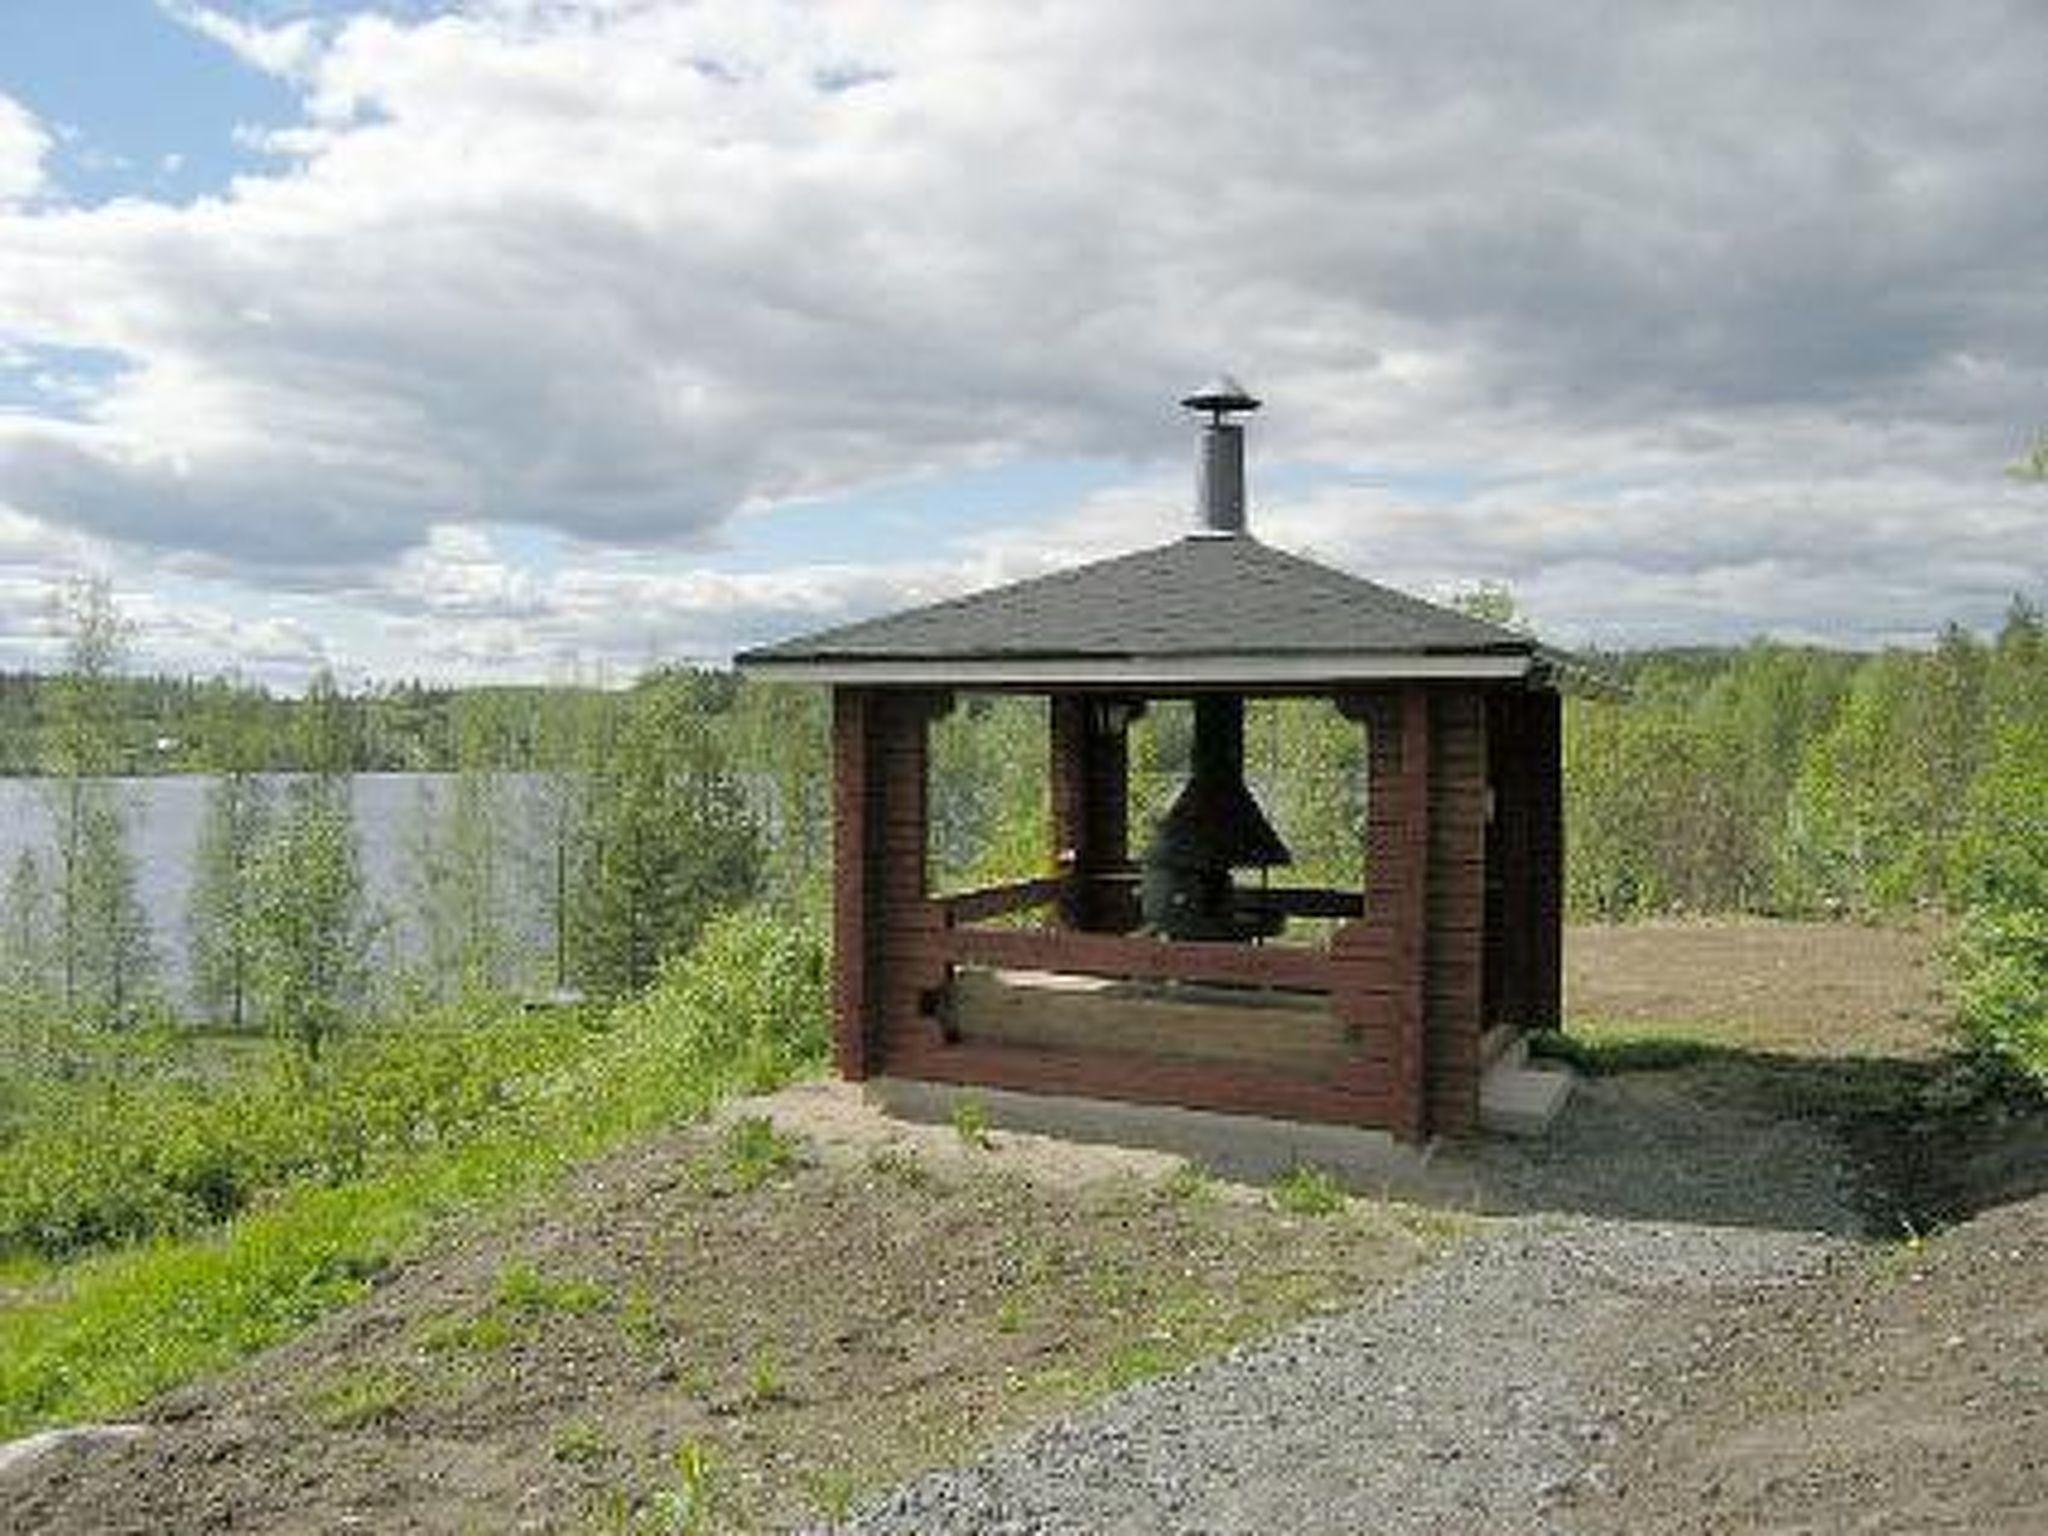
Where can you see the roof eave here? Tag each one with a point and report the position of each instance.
(1145, 671)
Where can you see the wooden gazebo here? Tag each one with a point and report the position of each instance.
(1389, 1020)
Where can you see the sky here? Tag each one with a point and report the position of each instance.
(532, 339)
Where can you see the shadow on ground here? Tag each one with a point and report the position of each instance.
(1872, 1146)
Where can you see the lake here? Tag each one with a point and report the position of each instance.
(164, 816)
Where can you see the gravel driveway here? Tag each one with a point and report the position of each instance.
(1468, 1399)
(1479, 1395)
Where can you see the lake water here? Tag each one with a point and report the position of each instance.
(164, 816)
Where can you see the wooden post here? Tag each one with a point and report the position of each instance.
(1389, 944)
(1407, 892)
(1545, 748)
(856, 810)
(1091, 808)
(1454, 935)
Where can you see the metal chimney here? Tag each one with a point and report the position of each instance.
(1219, 467)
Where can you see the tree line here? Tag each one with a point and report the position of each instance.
(1770, 778)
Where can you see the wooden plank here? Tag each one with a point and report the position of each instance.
(1359, 1100)
(1103, 954)
(1275, 1032)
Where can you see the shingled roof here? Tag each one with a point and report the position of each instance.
(1203, 609)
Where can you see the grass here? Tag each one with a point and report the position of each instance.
(363, 1399)
(525, 1292)
(1309, 1191)
(756, 1152)
(970, 1123)
(582, 1443)
(1601, 1049)
(95, 1336)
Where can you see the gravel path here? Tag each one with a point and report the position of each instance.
(1465, 1400)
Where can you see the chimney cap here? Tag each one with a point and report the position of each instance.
(1221, 396)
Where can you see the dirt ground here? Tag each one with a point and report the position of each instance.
(1905, 1390)
(1822, 989)
(769, 1327)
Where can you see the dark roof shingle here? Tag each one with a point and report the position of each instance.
(1205, 597)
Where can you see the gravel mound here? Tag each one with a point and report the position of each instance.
(1466, 1399)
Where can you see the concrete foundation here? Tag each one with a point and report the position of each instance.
(1245, 1148)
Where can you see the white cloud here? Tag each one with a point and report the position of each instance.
(23, 144)
(1720, 320)
(284, 48)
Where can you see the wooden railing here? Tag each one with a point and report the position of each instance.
(1137, 957)
(1001, 900)
(1141, 959)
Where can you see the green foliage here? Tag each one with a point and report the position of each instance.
(970, 1123)
(309, 925)
(749, 1005)
(1308, 1191)
(524, 1291)
(363, 1399)
(220, 911)
(1307, 764)
(670, 841)
(131, 1158)
(781, 734)
(1878, 804)
(460, 887)
(582, 1443)
(990, 806)
(101, 932)
(28, 954)
(756, 1152)
(1999, 973)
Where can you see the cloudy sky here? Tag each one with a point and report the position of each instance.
(505, 338)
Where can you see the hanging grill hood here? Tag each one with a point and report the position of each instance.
(1215, 821)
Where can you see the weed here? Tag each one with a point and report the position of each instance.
(970, 1123)
(581, 1443)
(1010, 1314)
(686, 1507)
(524, 1291)
(641, 1322)
(832, 1491)
(1309, 1191)
(901, 1164)
(485, 1334)
(755, 1152)
(1191, 1182)
(362, 1399)
(764, 1381)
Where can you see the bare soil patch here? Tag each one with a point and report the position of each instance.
(804, 1317)
(1905, 1390)
(1822, 989)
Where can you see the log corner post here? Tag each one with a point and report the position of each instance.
(856, 818)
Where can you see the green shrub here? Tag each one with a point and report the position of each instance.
(136, 1158)
(1998, 968)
